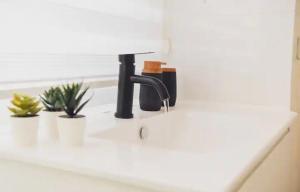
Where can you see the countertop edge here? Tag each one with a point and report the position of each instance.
(262, 155)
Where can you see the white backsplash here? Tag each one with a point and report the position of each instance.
(232, 51)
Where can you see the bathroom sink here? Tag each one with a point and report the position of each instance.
(187, 130)
(195, 147)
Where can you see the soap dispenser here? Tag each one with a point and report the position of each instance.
(149, 98)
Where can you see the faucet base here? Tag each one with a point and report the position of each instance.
(122, 116)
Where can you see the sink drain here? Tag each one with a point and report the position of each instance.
(143, 133)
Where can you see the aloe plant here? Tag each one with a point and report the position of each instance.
(71, 98)
(51, 99)
(24, 106)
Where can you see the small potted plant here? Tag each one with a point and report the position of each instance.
(52, 109)
(72, 125)
(25, 119)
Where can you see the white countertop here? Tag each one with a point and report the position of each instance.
(156, 168)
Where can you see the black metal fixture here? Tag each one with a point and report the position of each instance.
(127, 78)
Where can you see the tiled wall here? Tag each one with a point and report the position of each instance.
(232, 51)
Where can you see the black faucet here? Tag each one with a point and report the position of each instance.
(127, 78)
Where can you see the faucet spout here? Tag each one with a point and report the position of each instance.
(127, 78)
(157, 84)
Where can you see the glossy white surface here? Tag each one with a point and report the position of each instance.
(199, 147)
(191, 131)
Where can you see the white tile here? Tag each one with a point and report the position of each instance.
(236, 51)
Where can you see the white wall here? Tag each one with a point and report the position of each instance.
(232, 50)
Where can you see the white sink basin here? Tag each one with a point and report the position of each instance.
(188, 131)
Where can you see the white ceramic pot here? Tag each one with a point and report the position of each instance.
(25, 130)
(71, 130)
(50, 124)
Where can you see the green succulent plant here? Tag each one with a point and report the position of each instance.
(71, 98)
(24, 106)
(51, 99)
